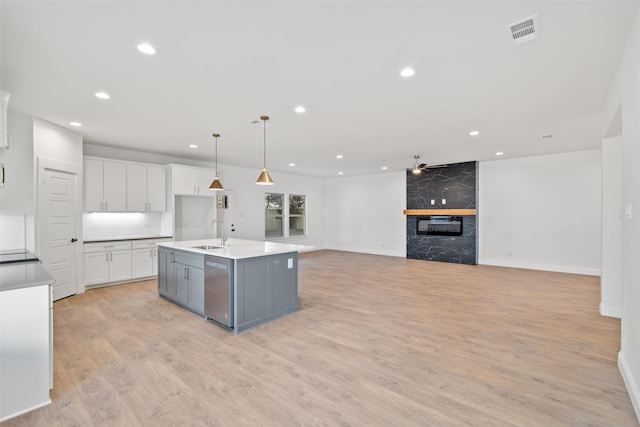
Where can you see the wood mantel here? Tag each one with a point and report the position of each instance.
(439, 211)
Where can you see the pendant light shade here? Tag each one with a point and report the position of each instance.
(264, 178)
(216, 185)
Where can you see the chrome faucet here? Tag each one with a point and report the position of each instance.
(223, 238)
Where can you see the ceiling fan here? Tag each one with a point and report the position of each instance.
(419, 167)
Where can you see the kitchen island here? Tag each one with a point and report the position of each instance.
(239, 285)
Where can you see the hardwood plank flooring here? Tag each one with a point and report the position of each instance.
(378, 341)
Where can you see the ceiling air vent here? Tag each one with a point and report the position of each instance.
(524, 30)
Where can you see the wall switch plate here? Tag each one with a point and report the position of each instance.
(444, 201)
(433, 202)
(290, 263)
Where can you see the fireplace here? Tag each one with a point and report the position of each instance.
(439, 225)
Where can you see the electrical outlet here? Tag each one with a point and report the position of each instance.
(433, 202)
(444, 201)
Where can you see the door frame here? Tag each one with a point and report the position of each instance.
(45, 163)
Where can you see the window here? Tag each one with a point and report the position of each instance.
(296, 215)
(273, 215)
(284, 220)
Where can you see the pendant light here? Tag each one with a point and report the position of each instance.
(216, 185)
(264, 178)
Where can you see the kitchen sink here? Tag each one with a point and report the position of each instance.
(208, 247)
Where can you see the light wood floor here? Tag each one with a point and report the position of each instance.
(379, 341)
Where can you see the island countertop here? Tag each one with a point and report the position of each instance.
(235, 248)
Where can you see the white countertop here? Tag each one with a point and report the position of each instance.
(236, 248)
(24, 275)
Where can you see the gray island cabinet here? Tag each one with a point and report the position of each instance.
(262, 277)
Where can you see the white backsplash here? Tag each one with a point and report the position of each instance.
(121, 225)
(12, 232)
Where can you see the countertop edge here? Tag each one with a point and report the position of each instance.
(24, 275)
(124, 239)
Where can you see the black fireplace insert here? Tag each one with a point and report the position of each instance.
(439, 225)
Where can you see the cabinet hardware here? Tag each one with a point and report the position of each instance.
(111, 256)
(186, 273)
(172, 257)
(74, 240)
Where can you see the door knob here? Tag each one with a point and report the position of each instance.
(74, 240)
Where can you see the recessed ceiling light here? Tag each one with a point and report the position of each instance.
(499, 153)
(76, 124)
(474, 133)
(146, 48)
(340, 173)
(299, 109)
(193, 146)
(339, 156)
(407, 72)
(102, 95)
(384, 168)
(292, 164)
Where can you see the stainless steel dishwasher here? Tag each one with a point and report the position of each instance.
(218, 289)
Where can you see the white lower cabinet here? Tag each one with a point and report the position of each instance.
(106, 262)
(119, 261)
(144, 257)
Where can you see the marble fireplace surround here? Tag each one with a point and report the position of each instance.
(457, 184)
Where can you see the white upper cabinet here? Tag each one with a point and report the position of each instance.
(157, 188)
(105, 187)
(112, 186)
(191, 181)
(146, 188)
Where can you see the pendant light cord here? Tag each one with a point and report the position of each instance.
(264, 139)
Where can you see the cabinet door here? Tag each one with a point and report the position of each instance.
(136, 188)
(181, 283)
(142, 262)
(156, 189)
(119, 265)
(154, 262)
(196, 290)
(183, 182)
(96, 268)
(115, 187)
(93, 177)
(165, 273)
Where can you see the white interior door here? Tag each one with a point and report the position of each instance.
(57, 212)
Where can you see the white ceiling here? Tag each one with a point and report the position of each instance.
(220, 65)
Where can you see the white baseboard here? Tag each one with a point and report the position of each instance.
(543, 267)
(610, 311)
(633, 388)
(402, 254)
(24, 411)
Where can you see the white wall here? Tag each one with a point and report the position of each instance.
(364, 214)
(250, 209)
(611, 277)
(17, 202)
(541, 212)
(624, 96)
